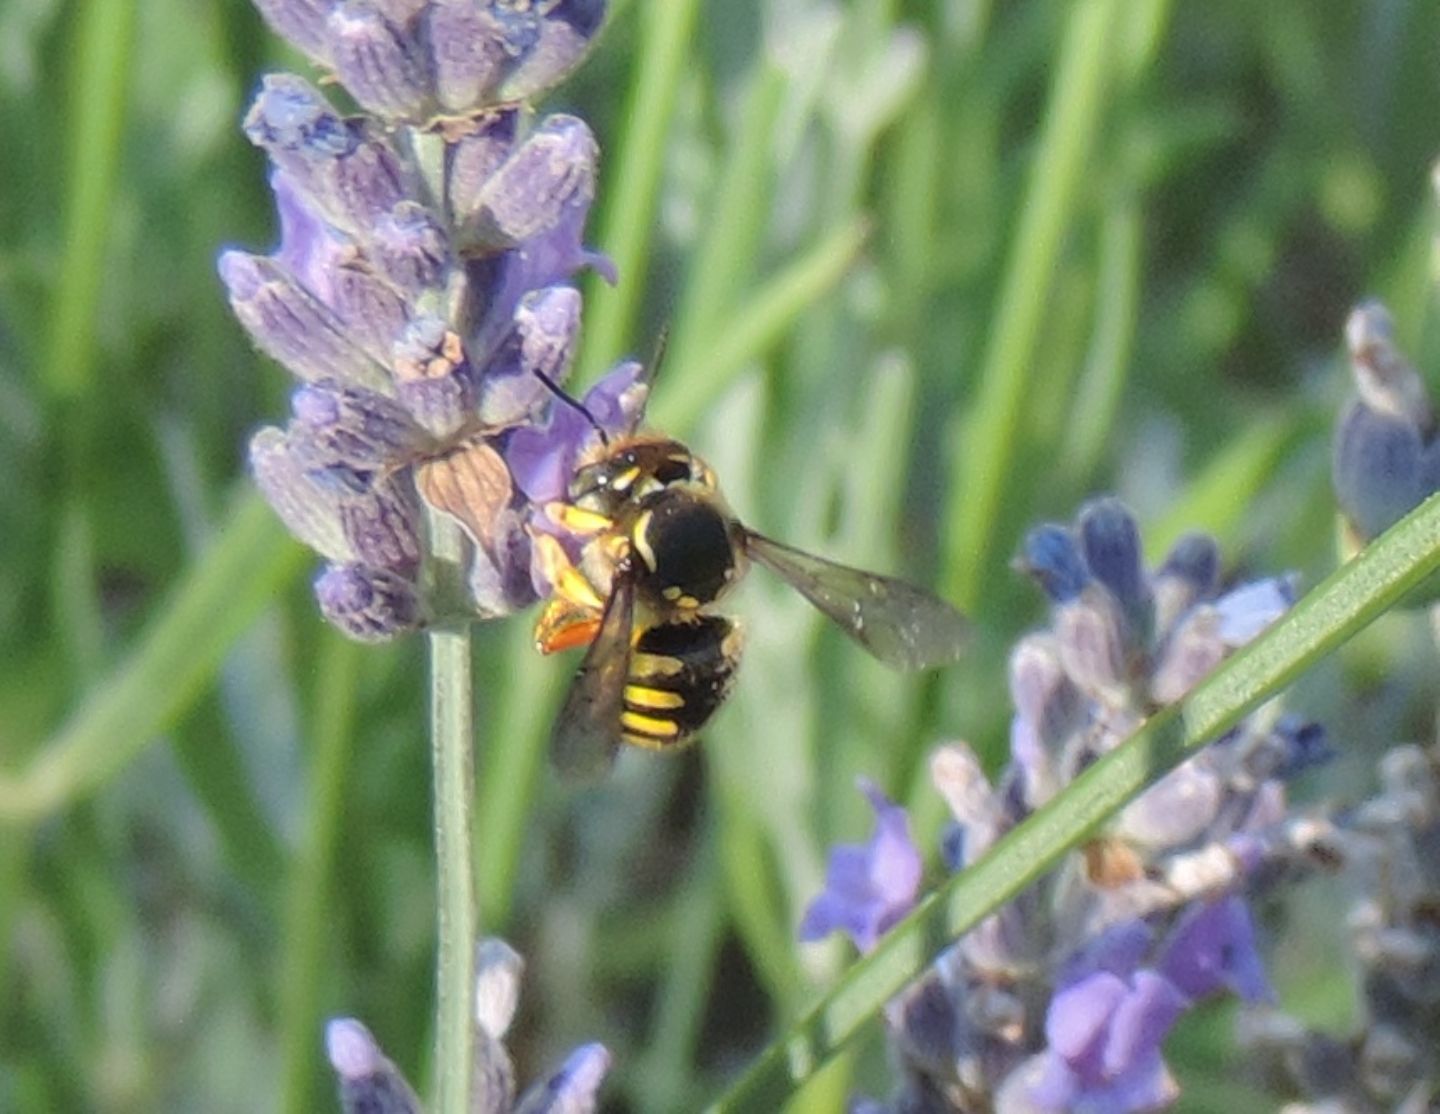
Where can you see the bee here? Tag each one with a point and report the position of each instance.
(660, 551)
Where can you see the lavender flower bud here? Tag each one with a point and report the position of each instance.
(291, 326)
(408, 247)
(1190, 573)
(1387, 454)
(369, 310)
(369, 1083)
(435, 380)
(380, 60)
(351, 427)
(574, 1089)
(470, 52)
(1053, 558)
(352, 175)
(1193, 649)
(383, 527)
(551, 173)
(1093, 641)
(478, 148)
(309, 509)
(301, 22)
(562, 36)
(498, 969)
(369, 605)
(541, 343)
(1110, 540)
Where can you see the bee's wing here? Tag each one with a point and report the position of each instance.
(586, 735)
(904, 626)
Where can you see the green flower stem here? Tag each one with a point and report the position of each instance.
(309, 900)
(249, 562)
(452, 738)
(1349, 599)
(992, 432)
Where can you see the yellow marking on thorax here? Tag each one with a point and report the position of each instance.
(641, 542)
(649, 725)
(658, 699)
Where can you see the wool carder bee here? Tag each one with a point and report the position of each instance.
(659, 550)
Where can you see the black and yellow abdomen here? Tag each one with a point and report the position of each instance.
(680, 674)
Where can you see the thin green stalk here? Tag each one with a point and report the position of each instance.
(992, 430)
(246, 566)
(1355, 595)
(99, 102)
(629, 216)
(452, 739)
(309, 900)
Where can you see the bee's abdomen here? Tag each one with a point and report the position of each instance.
(680, 674)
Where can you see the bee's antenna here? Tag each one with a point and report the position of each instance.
(657, 356)
(574, 403)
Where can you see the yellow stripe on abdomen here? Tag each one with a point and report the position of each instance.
(661, 700)
(653, 726)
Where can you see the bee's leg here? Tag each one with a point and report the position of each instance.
(570, 584)
(576, 519)
(562, 626)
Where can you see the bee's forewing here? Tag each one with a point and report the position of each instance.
(904, 626)
(586, 735)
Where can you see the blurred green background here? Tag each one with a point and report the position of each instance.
(934, 271)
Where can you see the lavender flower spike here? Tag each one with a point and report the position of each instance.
(426, 307)
(868, 887)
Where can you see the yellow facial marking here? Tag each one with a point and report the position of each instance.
(658, 699)
(649, 725)
(623, 481)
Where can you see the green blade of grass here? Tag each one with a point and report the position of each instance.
(99, 104)
(244, 570)
(1350, 598)
(992, 430)
(629, 214)
(309, 898)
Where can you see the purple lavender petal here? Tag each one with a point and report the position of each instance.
(868, 887)
(1213, 949)
(542, 459)
(1140, 1024)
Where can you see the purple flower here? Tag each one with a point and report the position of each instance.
(1212, 949)
(1105, 1034)
(868, 887)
